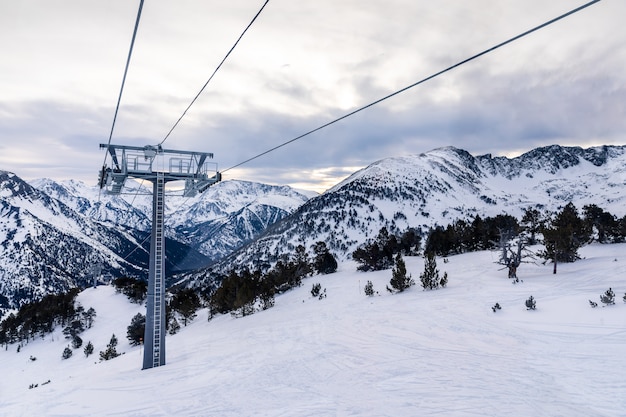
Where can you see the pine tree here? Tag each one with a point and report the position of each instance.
(136, 290)
(245, 299)
(369, 289)
(267, 299)
(301, 263)
(324, 262)
(136, 329)
(565, 235)
(400, 281)
(377, 255)
(430, 277)
(88, 349)
(73, 329)
(186, 302)
(603, 223)
(110, 351)
(89, 317)
(532, 223)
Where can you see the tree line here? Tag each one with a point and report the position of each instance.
(38, 318)
(243, 291)
(563, 233)
(240, 291)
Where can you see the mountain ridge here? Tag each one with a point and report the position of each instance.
(434, 188)
(240, 223)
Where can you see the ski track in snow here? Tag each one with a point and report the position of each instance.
(431, 353)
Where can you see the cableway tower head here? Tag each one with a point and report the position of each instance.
(144, 162)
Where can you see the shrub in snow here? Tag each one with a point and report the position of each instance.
(317, 288)
(174, 326)
(608, 297)
(67, 353)
(266, 299)
(444, 280)
(496, 307)
(531, 304)
(593, 304)
(369, 289)
(77, 342)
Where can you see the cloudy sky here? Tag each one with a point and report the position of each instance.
(301, 65)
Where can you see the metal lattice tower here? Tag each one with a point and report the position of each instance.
(159, 166)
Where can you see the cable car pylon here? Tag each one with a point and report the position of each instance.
(159, 166)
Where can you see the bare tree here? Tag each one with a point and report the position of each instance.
(513, 249)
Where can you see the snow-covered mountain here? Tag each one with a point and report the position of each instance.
(54, 235)
(417, 191)
(232, 213)
(132, 210)
(216, 222)
(45, 246)
(440, 186)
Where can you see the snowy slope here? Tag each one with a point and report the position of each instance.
(439, 352)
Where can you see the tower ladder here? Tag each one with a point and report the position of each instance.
(158, 269)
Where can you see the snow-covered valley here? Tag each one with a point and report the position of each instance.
(442, 352)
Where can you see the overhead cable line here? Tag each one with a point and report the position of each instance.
(119, 98)
(478, 55)
(214, 72)
(211, 77)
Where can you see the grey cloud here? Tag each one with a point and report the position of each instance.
(565, 85)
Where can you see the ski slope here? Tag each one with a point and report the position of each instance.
(418, 353)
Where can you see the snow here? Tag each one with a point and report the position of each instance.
(440, 352)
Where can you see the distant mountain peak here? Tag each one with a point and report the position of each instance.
(439, 186)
